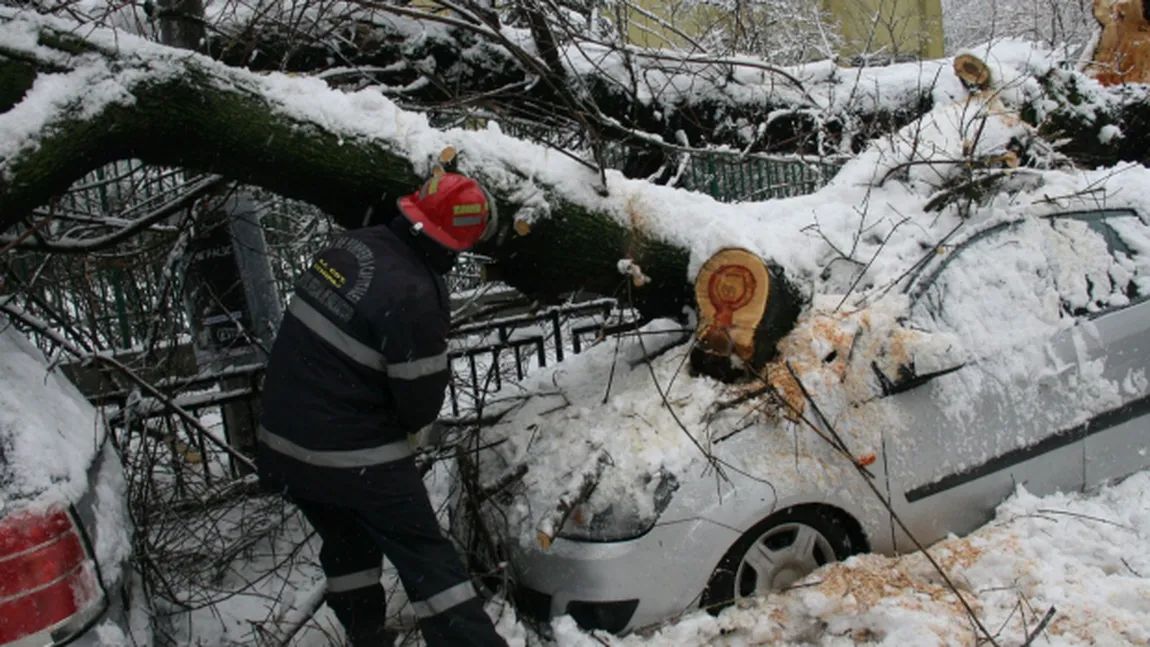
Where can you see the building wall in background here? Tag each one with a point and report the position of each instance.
(902, 28)
(784, 31)
(884, 29)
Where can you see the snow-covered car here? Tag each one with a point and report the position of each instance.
(64, 526)
(1013, 353)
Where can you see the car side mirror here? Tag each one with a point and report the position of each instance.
(907, 378)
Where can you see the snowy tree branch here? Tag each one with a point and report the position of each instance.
(91, 103)
(710, 98)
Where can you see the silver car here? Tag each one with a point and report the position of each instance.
(961, 428)
(64, 534)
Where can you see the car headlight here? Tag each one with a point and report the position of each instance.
(621, 520)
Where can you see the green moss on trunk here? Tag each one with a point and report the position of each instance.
(210, 124)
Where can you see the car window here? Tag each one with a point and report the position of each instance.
(1039, 270)
(1129, 241)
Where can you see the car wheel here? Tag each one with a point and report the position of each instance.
(779, 551)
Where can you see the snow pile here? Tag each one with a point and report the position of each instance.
(49, 434)
(603, 401)
(1085, 557)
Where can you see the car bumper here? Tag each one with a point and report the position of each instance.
(110, 625)
(621, 586)
(98, 625)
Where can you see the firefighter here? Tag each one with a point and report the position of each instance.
(358, 368)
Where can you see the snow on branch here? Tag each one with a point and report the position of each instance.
(95, 95)
(551, 70)
(110, 96)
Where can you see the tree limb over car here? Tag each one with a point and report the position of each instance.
(74, 100)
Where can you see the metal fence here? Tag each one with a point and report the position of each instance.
(483, 357)
(724, 176)
(112, 296)
(729, 178)
(485, 354)
(732, 180)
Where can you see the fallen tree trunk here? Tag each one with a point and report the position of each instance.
(650, 100)
(186, 111)
(1092, 121)
(114, 97)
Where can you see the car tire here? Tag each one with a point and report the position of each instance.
(789, 545)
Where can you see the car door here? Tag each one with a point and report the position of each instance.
(1116, 438)
(1027, 307)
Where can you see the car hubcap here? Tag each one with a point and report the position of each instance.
(780, 557)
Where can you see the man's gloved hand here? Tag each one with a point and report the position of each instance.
(429, 436)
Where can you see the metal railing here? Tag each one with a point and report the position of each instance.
(531, 340)
(483, 357)
(721, 175)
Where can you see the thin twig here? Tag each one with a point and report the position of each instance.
(1040, 628)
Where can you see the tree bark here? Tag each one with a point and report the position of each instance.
(211, 118)
(468, 67)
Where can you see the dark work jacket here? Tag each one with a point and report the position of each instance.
(358, 364)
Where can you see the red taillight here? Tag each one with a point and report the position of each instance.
(46, 575)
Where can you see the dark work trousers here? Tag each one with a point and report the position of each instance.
(403, 527)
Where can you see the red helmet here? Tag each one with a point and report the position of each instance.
(451, 208)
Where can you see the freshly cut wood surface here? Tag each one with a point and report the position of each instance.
(745, 307)
(973, 71)
(1123, 52)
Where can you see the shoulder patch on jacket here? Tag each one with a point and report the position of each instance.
(364, 266)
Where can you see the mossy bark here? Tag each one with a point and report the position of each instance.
(579, 250)
(464, 66)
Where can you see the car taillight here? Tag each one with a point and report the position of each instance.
(48, 581)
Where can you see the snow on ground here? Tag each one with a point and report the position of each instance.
(1087, 556)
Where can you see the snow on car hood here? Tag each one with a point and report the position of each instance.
(602, 400)
(633, 400)
(49, 433)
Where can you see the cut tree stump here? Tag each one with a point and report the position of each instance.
(745, 308)
(973, 72)
(1123, 51)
